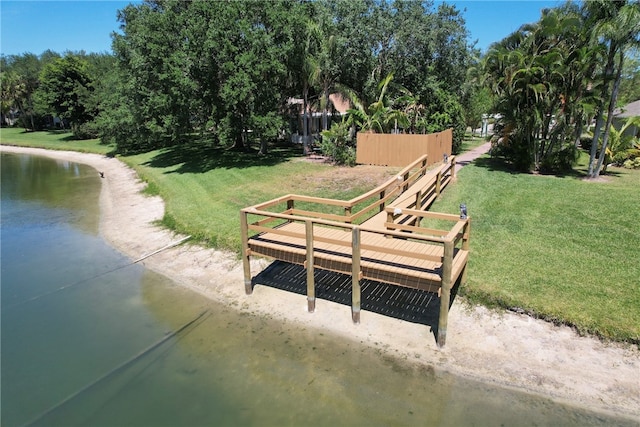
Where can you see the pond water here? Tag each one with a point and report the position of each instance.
(90, 339)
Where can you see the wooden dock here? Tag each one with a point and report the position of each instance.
(379, 236)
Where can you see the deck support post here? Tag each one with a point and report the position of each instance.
(465, 247)
(246, 261)
(445, 294)
(355, 275)
(453, 168)
(290, 207)
(418, 207)
(439, 183)
(311, 287)
(390, 219)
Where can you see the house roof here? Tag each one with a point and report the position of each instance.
(629, 110)
(340, 103)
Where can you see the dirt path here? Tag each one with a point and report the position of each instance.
(497, 347)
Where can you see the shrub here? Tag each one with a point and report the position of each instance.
(87, 130)
(632, 163)
(444, 111)
(630, 154)
(585, 142)
(560, 160)
(505, 143)
(338, 144)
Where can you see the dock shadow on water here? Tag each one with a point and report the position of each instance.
(112, 351)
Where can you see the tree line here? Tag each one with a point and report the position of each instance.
(37, 88)
(213, 71)
(219, 69)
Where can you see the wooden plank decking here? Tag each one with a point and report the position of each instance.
(390, 245)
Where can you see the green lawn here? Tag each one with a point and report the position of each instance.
(557, 247)
(470, 142)
(205, 188)
(52, 140)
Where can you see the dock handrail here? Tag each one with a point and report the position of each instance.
(347, 203)
(387, 191)
(423, 233)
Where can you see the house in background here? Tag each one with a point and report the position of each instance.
(338, 106)
(620, 116)
(10, 118)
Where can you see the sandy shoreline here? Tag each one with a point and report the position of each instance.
(498, 347)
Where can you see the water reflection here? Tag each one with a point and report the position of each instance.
(72, 189)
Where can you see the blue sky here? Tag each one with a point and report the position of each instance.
(35, 26)
(492, 21)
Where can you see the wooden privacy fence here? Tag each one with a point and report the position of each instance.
(384, 149)
(378, 236)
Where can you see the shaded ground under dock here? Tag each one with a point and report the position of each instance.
(411, 305)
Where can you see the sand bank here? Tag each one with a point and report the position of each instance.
(497, 347)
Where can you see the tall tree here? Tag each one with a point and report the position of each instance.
(615, 25)
(630, 84)
(327, 69)
(12, 92)
(358, 26)
(427, 52)
(219, 65)
(153, 66)
(540, 75)
(229, 67)
(308, 76)
(253, 45)
(25, 71)
(66, 86)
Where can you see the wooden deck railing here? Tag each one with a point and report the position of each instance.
(372, 202)
(389, 245)
(383, 194)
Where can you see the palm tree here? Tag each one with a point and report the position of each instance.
(621, 143)
(616, 25)
(541, 77)
(580, 103)
(309, 75)
(412, 109)
(326, 70)
(13, 92)
(377, 116)
(518, 82)
(319, 71)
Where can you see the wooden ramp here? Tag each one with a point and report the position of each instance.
(378, 236)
